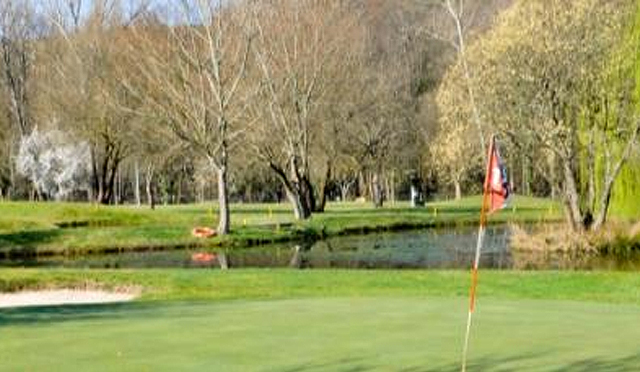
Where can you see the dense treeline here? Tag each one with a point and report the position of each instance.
(308, 101)
(562, 89)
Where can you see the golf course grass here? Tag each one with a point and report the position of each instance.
(73, 228)
(285, 320)
(303, 320)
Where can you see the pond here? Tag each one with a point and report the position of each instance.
(431, 248)
(420, 249)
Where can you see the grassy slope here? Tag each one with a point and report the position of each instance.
(65, 228)
(329, 320)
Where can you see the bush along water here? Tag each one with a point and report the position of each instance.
(555, 247)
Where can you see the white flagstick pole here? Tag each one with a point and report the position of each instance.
(474, 279)
(476, 262)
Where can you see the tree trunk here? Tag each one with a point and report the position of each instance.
(117, 194)
(344, 190)
(591, 169)
(12, 175)
(224, 223)
(95, 178)
(392, 187)
(90, 196)
(305, 190)
(572, 201)
(300, 211)
(568, 214)
(299, 193)
(387, 187)
(109, 194)
(200, 191)
(603, 208)
(526, 177)
(324, 190)
(362, 185)
(137, 183)
(179, 192)
(415, 196)
(458, 188)
(376, 191)
(151, 200)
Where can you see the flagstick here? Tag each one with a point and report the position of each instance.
(476, 262)
(474, 284)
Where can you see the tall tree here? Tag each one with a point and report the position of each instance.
(18, 31)
(295, 45)
(192, 78)
(82, 59)
(544, 81)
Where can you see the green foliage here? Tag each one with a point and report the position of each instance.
(556, 78)
(626, 193)
(625, 200)
(621, 78)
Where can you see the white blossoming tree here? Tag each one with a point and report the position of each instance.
(54, 163)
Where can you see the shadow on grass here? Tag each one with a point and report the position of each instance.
(628, 363)
(362, 364)
(28, 238)
(510, 363)
(36, 315)
(346, 364)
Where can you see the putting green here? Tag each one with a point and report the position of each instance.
(389, 334)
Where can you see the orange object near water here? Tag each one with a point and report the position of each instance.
(203, 257)
(203, 232)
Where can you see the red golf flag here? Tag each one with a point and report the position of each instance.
(496, 195)
(496, 184)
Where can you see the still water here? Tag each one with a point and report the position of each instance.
(432, 248)
(451, 248)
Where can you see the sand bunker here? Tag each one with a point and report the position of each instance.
(62, 297)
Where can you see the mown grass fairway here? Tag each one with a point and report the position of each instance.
(61, 228)
(325, 320)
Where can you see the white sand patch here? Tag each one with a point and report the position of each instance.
(62, 297)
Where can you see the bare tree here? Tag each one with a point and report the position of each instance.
(17, 33)
(296, 41)
(83, 58)
(18, 30)
(192, 79)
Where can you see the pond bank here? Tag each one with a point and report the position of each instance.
(617, 247)
(46, 230)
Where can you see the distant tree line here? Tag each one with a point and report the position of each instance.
(307, 101)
